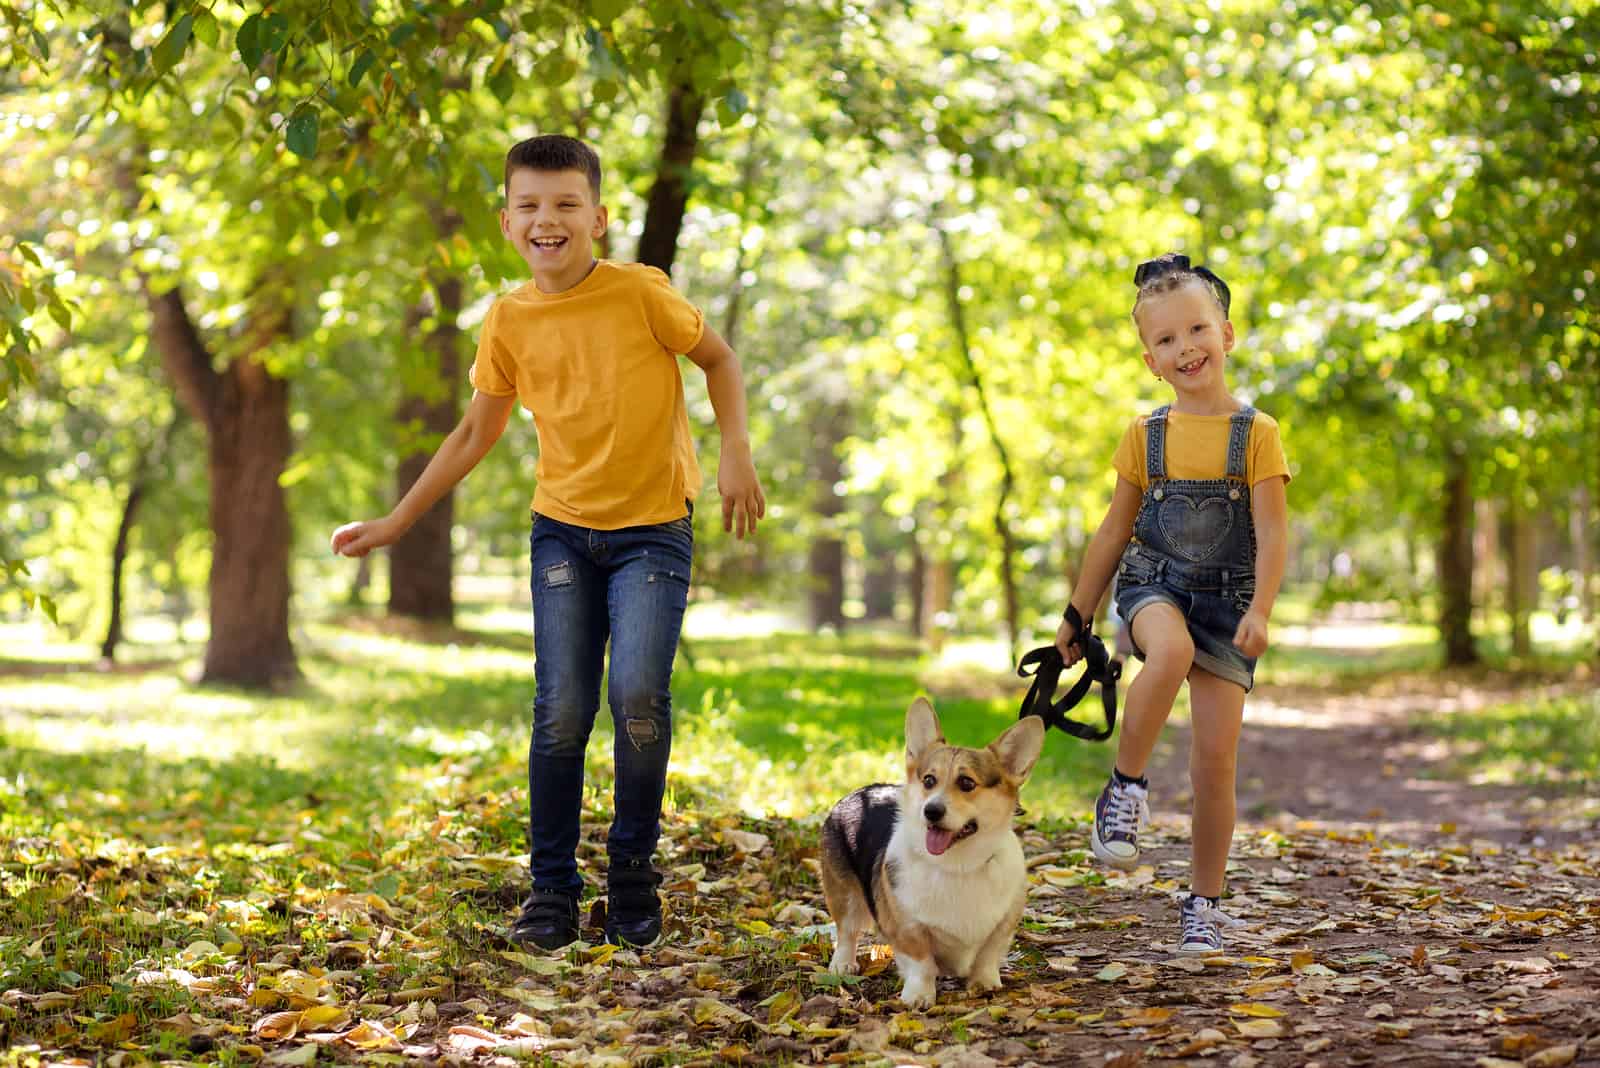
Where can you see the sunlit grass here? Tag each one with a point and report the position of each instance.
(1544, 742)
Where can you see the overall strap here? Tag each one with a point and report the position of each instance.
(1155, 444)
(1239, 441)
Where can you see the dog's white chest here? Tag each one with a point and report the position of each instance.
(963, 908)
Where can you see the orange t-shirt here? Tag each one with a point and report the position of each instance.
(1197, 448)
(596, 365)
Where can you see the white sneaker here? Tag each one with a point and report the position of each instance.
(1202, 922)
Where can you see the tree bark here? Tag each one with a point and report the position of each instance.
(1002, 524)
(916, 589)
(1583, 551)
(669, 196)
(1522, 568)
(119, 555)
(1455, 561)
(826, 556)
(138, 486)
(245, 410)
(422, 562)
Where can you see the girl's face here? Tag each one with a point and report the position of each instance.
(1186, 340)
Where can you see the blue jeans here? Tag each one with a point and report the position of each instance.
(629, 586)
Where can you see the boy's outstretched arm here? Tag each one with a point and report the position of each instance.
(742, 500)
(480, 427)
(1100, 563)
(1269, 509)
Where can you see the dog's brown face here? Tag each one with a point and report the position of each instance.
(959, 793)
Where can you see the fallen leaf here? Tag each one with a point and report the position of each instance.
(1259, 1028)
(277, 1026)
(1255, 1008)
(1554, 1057)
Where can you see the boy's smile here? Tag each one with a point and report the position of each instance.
(552, 219)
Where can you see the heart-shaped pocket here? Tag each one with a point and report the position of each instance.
(1194, 531)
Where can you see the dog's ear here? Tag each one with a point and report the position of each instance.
(1019, 747)
(922, 728)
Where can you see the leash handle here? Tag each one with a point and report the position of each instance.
(1047, 667)
(1080, 630)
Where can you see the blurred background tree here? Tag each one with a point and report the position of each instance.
(267, 235)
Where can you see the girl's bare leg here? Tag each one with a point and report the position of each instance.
(1161, 632)
(1216, 709)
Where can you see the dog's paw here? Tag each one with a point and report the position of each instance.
(843, 965)
(919, 994)
(983, 981)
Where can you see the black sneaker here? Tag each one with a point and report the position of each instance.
(633, 909)
(549, 920)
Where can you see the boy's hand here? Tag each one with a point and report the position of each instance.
(1251, 637)
(742, 500)
(359, 539)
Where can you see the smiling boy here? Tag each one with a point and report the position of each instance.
(589, 347)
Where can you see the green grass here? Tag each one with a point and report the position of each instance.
(143, 820)
(1544, 742)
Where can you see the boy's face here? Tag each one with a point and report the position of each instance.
(552, 220)
(1186, 339)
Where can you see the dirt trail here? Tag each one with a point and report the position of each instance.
(1364, 761)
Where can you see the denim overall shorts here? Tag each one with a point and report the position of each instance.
(1194, 547)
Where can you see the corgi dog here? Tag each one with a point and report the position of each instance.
(933, 862)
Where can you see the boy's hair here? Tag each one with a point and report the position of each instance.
(1170, 272)
(554, 152)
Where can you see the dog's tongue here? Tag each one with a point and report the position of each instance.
(939, 840)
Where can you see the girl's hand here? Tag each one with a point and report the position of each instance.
(1251, 637)
(1067, 645)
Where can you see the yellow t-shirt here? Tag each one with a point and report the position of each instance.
(596, 365)
(1197, 448)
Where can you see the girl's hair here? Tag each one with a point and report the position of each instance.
(1170, 272)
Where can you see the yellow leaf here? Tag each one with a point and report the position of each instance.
(320, 1016)
(277, 1026)
(1302, 959)
(1267, 986)
(115, 1030)
(1147, 1017)
(1259, 1028)
(370, 1036)
(1554, 1057)
(1111, 972)
(1255, 1008)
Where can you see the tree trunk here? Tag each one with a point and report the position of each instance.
(938, 588)
(1521, 574)
(138, 486)
(1583, 549)
(669, 196)
(421, 564)
(880, 577)
(245, 411)
(826, 557)
(119, 555)
(1455, 562)
(916, 589)
(1002, 524)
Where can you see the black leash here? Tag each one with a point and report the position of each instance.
(1047, 668)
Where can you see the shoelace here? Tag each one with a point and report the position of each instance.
(1201, 919)
(1128, 809)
